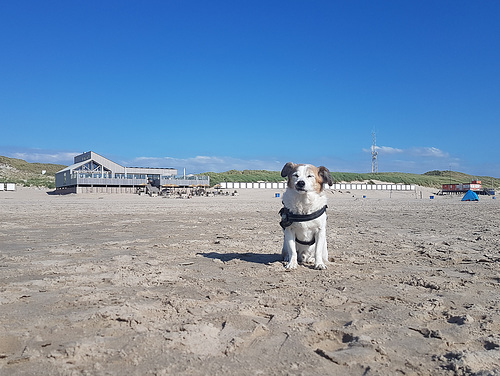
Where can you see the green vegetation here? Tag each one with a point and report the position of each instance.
(32, 168)
(434, 179)
(30, 174)
(18, 171)
(245, 176)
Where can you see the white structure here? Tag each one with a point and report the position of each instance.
(7, 186)
(374, 187)
(337, 186)
(259, 185)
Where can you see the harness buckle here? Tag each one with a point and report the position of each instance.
(285, 220)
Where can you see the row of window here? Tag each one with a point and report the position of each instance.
(117, 176)
(134, 176)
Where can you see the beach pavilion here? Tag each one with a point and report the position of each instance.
(93, 173)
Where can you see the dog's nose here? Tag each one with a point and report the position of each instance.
(300, 184)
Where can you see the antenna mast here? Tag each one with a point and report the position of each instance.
(374, 155)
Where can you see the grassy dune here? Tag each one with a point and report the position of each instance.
(30, 174)
(430, 179)
(18, 171)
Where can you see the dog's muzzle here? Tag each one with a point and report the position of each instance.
(300, 185)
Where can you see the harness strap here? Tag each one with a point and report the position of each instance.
(287, 218)
(304, 242)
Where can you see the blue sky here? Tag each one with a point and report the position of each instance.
(219, 85)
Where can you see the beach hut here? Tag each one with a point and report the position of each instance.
(470, 196)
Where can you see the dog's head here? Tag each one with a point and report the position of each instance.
(305, 177)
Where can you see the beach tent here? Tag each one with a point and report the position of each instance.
(470, 196)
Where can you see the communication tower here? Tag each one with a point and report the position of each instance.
(374, 155)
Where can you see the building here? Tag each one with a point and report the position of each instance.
(7, 186)
(92, 173)
(475, 186)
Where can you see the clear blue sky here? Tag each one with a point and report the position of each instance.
(217, 85)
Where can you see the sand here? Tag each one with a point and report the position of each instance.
(139, 285)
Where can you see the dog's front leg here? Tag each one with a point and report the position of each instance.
(319, 255)
(291, 248)
(284, 252)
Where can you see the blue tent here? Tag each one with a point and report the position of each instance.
(470, 196)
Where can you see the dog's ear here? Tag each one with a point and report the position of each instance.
(290, 166)
(325, 175)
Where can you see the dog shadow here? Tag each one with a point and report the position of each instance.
(256, 258)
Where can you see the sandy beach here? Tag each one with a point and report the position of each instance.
(102, 284)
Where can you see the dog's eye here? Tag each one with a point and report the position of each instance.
(295, 175)
(310, 176)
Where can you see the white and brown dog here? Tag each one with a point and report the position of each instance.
(303, 216)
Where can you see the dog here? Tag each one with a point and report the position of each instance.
(303, 216)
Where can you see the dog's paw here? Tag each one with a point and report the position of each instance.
(291, 265)
(320, 267)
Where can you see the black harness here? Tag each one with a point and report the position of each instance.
(287, 218)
